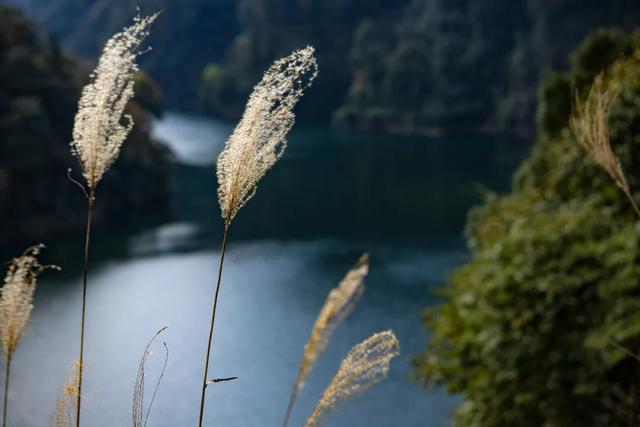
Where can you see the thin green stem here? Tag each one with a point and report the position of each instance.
(6, 391)
(213, 321)
(85, 271)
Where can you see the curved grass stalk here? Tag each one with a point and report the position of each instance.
(338, 305)
(138, 390)
(590, 126)
(98, 134)
(256, 144)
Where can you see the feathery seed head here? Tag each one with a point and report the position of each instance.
(365, 365)
(16, 297)
(590, 125)
(98, 132)
(258, 140)
(336, 307)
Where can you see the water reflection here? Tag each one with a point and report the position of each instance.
(271, 295)
(351, 185)
(333, 196)
(194, 140)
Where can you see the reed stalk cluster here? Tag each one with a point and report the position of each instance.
(257, 143)
(366, 364)
(336, 307)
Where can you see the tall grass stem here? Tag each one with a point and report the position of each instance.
(213, 321)
(85, 271)
(6, 391)
(292, 401)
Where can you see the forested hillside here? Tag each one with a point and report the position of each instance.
(398, 65)
(540, 327)
(189, 34)
(39, 91)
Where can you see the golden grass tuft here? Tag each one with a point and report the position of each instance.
(258, 140)
(16, 297)
(365, 365)
(97, 132)
(337, 306)
(16, 304)
(590, 125)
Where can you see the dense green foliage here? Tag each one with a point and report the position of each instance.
(39, 90)
(400, 65)
(527, 332)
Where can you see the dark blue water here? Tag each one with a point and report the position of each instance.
(333, 196)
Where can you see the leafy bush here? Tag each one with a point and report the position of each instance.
(533, 327)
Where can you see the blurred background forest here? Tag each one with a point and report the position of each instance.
(422, 110)
(461, 64)
(394, 66)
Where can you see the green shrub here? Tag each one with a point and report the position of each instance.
(528, 331)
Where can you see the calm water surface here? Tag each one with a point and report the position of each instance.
(333, 196)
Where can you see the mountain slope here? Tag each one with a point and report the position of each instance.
(396, 65)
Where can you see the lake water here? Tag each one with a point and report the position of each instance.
(333, 196)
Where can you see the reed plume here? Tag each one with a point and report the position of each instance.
(66, 402)
(336, 307)
(98, 132)
(16, 303)
(590, 125)
(365, 365)
(257, 142)
(138, 389)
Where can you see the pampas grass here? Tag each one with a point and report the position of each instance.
(590, 126)
(337, 306)
(98, 133)
(257, 142)
(139, 387)
(16, 303)
(255, 146)
(365, 365)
